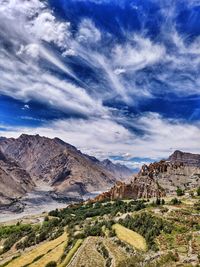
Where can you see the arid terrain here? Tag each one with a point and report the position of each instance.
(151, 220)
(157, 232)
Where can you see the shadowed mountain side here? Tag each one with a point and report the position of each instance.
(14, 181)
(60, 165)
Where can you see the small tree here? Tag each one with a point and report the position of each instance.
(158, 201)
(46, 218)
(198, 191)
(51, 264)
(180, 192)
(163, 202)
(175, 201)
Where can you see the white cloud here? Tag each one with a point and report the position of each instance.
(119, 71)
(141, 53)
(26, 74)
(69, 52)
(32, 50)
(105, 137)
(45, 27)
(26, 106)
(32, 81)
(88, 32)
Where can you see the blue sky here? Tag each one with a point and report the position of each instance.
(117, 79)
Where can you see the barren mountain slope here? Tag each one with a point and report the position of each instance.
(58, 164)
(14, 181)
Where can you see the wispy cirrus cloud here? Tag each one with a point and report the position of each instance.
(108, 76)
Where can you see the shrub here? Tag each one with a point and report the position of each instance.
(46, 218)
(51, 264)
(175, 201)
(158, 201)
(179, 192)
(198, 191)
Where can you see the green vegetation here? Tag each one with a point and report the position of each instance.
(72, 252)
(132, 238)
(51, 264)
(175, 201)
(179, 192)
(30, 235)
(114, 232)
(34, 256)
(148, 226)
(198, 191)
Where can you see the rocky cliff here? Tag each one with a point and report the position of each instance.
(179, 170)
(138, 188)
(58, 164)
(159, 178)
(14, 181)
(187, 159)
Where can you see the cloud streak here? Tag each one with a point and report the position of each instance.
(104, 74)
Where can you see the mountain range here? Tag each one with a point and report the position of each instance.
(30, 160)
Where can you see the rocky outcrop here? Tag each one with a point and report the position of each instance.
(159, 178)
(179, 170)
(187, 159)
(14, 181)
(58, 164)
(138, 188)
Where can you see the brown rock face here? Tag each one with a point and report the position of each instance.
(59, 164)
(14, 181)
(158, 178)
(138, 188)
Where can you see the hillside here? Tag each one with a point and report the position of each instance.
(14, 181)
(138, 188)
(120, 171)
(61, 165)
(114, 233)
(187, 159)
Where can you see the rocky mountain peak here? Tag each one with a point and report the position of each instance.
(185, 158)
(66, 169)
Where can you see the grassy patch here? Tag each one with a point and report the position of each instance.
(71, 253)
(132, 238)
(115, 250)
(53, 255)
(42, 249)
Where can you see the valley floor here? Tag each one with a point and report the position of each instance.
(39, 201)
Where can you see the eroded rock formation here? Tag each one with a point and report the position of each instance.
(138, 188)
(179, 170)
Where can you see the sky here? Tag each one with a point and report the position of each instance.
(118, 79)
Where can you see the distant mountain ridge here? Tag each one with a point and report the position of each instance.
(61, 165)
(120, 171)
(29, 159)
